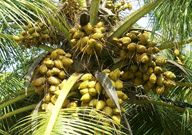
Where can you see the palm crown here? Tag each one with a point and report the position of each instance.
(95, 73)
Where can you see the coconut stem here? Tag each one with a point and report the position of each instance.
(184, 84)
(170, 45)
(6, 36)
(47, 48)
(94, 11)
(30, 107)
(145, 101)
(20, 97)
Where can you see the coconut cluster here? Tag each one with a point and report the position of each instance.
(34, 35)
(178, 56)
(88, 38)
(69, 8)
(94, 95)
(37, 34)
(143, 68)
(51, 72)
(118, 7)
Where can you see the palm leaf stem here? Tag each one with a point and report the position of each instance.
(20, 97)
(15, 26)
(24, 109)
(169, 45)
(6, 36)
(73, 94)
(184, 84)
(94, 11)
(134, 17)
(47, 48)
(3, 132)
(145, 101)
(21, 92)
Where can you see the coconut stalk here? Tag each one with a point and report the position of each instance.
(24, 109)
(170, 45)
(94, 11)
(14, 100)
(184, 84)
(145, 101)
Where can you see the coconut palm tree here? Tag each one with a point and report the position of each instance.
(77, 67)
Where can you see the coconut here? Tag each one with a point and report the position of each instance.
(62, 75)
(141, 49)
(93, 103)
(117, 119)
(67, 61)
(159, 89)
(120, 94)
(169, 75)
(110, 103)
(88, 28)
(98, 87)
(126, 40)
(157, 70)
(47, 97)
(132, 47)
(92, 91)
(84, 91)
(144, 58)
(108, 111)
(54, 55)
(53, 80)
(100, 105)
(58, 63)
(43, 69)
(49, 63)
(153, 78)
(118, 84)
(86, 98)
(38, 82)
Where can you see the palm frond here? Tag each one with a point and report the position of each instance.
(70, 121)
(153, 119)
(173, 18)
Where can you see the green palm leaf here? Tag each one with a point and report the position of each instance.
(69, 121)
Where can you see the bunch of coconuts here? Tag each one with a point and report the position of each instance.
(49, 75)
(118, 7)
(94, 95)
(88, 39)
(47, 78)
(69, 8)
(35, 35)
(143, 68)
